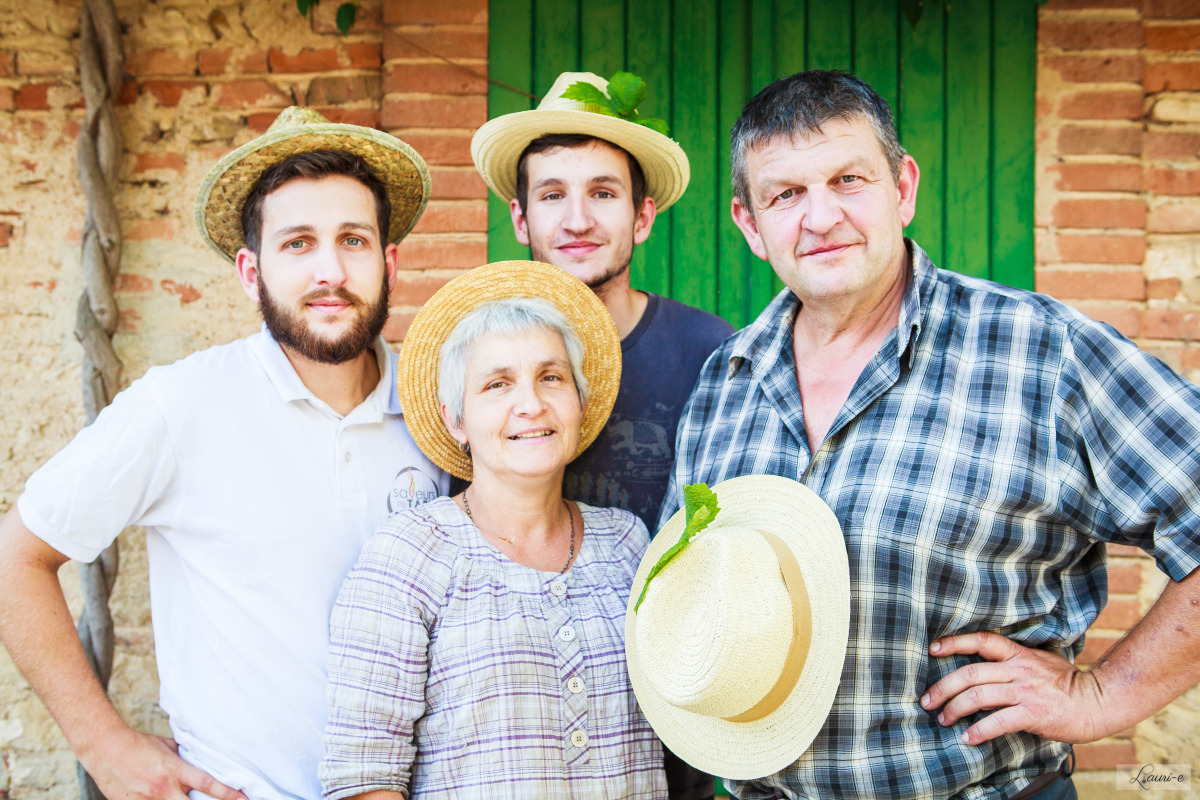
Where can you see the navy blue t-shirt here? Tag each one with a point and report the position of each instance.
(630, 462)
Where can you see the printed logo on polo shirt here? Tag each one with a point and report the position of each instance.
(411, 488)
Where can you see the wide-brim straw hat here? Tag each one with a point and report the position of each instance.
(298, 129)
(497, 146)
(417, 375)
(736, 652)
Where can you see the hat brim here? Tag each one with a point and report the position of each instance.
(498, 144)
(225, 188)
(750, 750)
(417, 375)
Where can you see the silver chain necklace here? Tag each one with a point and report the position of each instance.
(570, 516)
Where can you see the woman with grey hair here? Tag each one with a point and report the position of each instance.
(477, 648)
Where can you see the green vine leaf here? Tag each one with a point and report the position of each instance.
(625, 92)
(589, 95)
(346, 14)
(305, 5)
(700, 508)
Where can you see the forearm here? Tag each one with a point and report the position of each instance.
(37, 629)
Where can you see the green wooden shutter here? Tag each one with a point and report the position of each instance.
(960, 81)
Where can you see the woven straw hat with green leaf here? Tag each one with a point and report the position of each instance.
(585, 103)
(298, 129)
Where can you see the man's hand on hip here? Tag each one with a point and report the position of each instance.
(138, 766)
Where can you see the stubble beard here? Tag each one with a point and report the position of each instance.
(294, 332)
(597, 283)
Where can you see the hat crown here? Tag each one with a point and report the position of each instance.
(295, 117)
(554, 101)
(720, 651)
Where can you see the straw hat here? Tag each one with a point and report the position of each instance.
(417, 375)
(497, 146)
(736, 651)
(302, 130)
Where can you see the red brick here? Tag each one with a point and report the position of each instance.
(157, 160)
(365, 117)
(1076, 140)
(455, 45)
(344, 89)
(1124, 104)
(1090, 35)
(129, 283)
(5, 233)
(33, 97)
(1097, 69)
(307, 60)
(184, 291)
(40, 62)
(212, 60)
(1190, 358)
(1172, 181)
(151, 229)
(437, 112)
(128, 319)
(1170, 8)
(415, 288)
(8, 99)
(1182, 37)
(1173, 76)
(1125, 551)
(239, 94)
(1174, 218)
(1170, 145)
(1077, 4)
(454, 217)
(260, 121)
(1091, 284)
(8, 65)
(169, 93)
(1126, 319)
(161, 62)
(1100, 213)
(1098, 177)
(397, 325)
(422, 251)
(458, 184)
(1105, 754)
(1163, 288)
(1163, 323)
(434, 79)
(255, 61)
(128, 94)
(439, 148)
(365, 55)
(1120, 613)
(1124, 578)
(446, 12)
(1095, 646)
(1092, 249)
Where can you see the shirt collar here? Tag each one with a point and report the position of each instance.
(283, 375)
(758, 345)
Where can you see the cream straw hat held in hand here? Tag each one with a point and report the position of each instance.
(736, 651)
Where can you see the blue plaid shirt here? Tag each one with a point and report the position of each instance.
(988, 447)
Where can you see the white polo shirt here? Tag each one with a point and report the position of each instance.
(256, 498)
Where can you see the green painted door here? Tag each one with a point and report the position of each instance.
(958, 75)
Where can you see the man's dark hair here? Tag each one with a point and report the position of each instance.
(798, 106)
(552, 141)
(317, 164)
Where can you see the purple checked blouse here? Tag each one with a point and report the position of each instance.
(454, 672)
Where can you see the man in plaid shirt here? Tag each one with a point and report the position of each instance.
(978, 445)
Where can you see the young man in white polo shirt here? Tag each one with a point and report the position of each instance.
(258, 469)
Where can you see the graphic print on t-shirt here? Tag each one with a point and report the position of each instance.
(410, 488)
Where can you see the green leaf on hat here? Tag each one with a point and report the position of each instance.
(700, 508)
(625, 92)
(655, 124)
(586, 93)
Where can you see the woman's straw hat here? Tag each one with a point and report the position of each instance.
(497, 146)
(736, 651)
(303, 130)
(417, 376)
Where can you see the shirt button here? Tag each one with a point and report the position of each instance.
(558, 588)
(579, 738)
(575, 684)
(566, 633)
(347, 456)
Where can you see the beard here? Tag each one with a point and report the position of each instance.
(295, 333)
(615, 268)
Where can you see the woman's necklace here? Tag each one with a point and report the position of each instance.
(570, 516)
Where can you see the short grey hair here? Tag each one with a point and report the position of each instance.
(508, 317)
(798, 106)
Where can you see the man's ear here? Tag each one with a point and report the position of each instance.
(391, 261)
(247, 267)
(910, 177)
(749, 228)
(520, 225)
(644, 221)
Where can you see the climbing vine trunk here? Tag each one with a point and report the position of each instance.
(101, 62)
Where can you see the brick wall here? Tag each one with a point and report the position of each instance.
(1118, 236)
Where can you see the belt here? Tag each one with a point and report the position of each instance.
(1043, 782)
